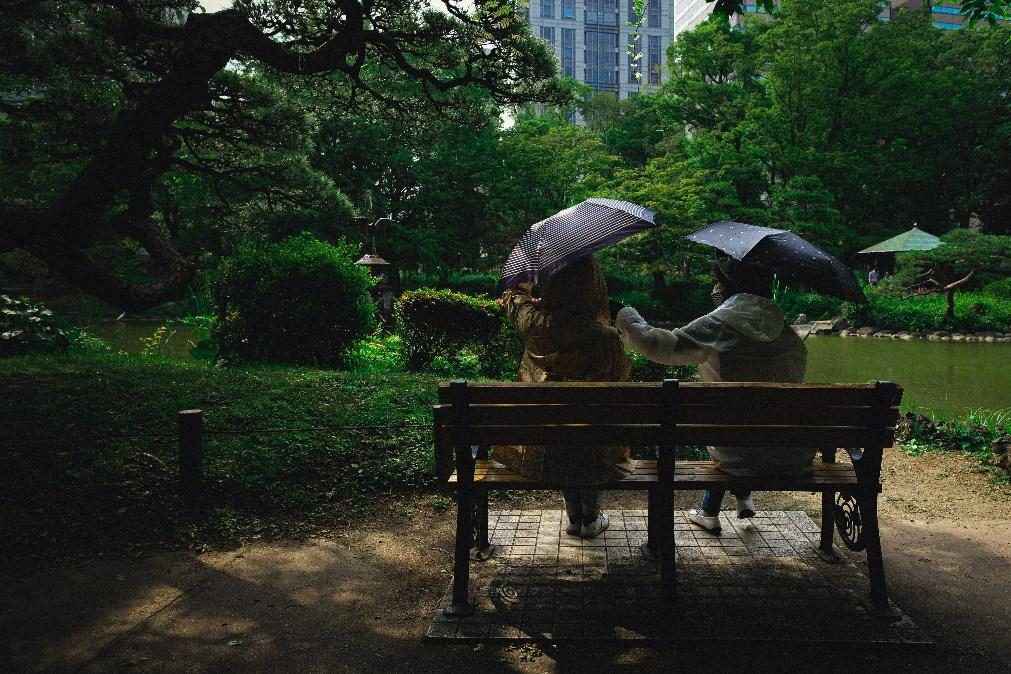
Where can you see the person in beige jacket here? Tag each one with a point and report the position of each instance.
(567, 336)
(745, 338)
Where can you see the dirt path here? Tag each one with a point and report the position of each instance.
(360, 600)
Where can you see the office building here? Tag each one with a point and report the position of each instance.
(593, 38)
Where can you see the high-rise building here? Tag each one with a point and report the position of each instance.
(597, 45)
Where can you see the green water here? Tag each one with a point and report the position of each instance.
(949, 378)
(128, 336)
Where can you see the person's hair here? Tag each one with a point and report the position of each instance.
(578, 292)
(740, 277)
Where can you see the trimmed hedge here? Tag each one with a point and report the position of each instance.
(442, 324)
(300, 301)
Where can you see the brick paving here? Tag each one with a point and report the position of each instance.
(758, 580)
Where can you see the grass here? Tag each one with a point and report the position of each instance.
(90, 449)
(971, 435)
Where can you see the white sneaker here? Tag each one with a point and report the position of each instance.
(745, 507)
(574, 527)
(710, 523)
(595, 527)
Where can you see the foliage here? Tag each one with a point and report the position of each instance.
(971, 434)
(974, 312)
(1000, 289)
(299, 301)
(455, 332)
(815, 306)
(468, 283)
(145, 124)
(86, 475)
(643, 369)
(27, 327)
(378, 353)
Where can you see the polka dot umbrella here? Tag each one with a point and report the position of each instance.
(784, 253)
(569, 235)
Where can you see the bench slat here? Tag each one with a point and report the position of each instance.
(732, 394)
(646, 434)
(621, 413)
(687, 475)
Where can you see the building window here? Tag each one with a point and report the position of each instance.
(634, 59)
(946, 10)
(601, 12)
(653, 59)
(548, 34)
(601, 60)
(568, 9)
(569, 52)
(948, 26)
(653, 13)
(633, 17)
(548, 9)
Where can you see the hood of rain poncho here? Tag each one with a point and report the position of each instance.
(753, 316)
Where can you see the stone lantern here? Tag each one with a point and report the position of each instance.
(379, 268)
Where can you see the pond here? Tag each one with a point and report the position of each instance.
(950, 378)
(129, 336)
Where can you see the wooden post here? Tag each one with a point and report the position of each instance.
(191, 454)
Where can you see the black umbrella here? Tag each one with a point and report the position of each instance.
(556, 242)
(784, 253)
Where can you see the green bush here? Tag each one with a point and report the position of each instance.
(643, 369)
(450, 330)
(815, 306)
(300, 301)
(473, 283)
(26, 327)
(974, 312)
(999, 289)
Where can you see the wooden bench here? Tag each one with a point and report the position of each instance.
(471, 417)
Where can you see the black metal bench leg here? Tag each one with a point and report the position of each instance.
(875, 562)
(482, 549)
(461, 605)
(826, 549)
(650, 547)
(665, 529)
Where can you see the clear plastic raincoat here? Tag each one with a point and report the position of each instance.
(744, 339)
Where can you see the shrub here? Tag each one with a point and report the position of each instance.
(473, 283)
(974, 312)
(29, 328)
(815, 306)
(450, 329)
(299, 301)
(999, 289)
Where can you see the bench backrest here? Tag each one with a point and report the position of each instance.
(752, 414)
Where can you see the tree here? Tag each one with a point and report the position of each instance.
(146, 67)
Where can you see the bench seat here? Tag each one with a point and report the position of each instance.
(490, 474)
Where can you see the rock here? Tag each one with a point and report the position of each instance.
(906, 336)
(934, 338)
(1002, 453)
(822, 327)
(866, 332)
(846, 333)
(945, 339)
(916, 335)
(801, 319)
(911, 424)
(940, 333)
(958, 337)
(840, 324)
(988, 333)
(883, 334)
(971, 338)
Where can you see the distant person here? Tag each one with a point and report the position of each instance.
(873, 276)
(567, 336)
(745, 338)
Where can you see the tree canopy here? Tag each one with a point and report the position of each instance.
(110, 105)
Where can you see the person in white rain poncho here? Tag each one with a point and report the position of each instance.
(745, 338)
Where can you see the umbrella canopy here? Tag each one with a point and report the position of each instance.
(556, 242)
(914, 239)
(787, 255)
